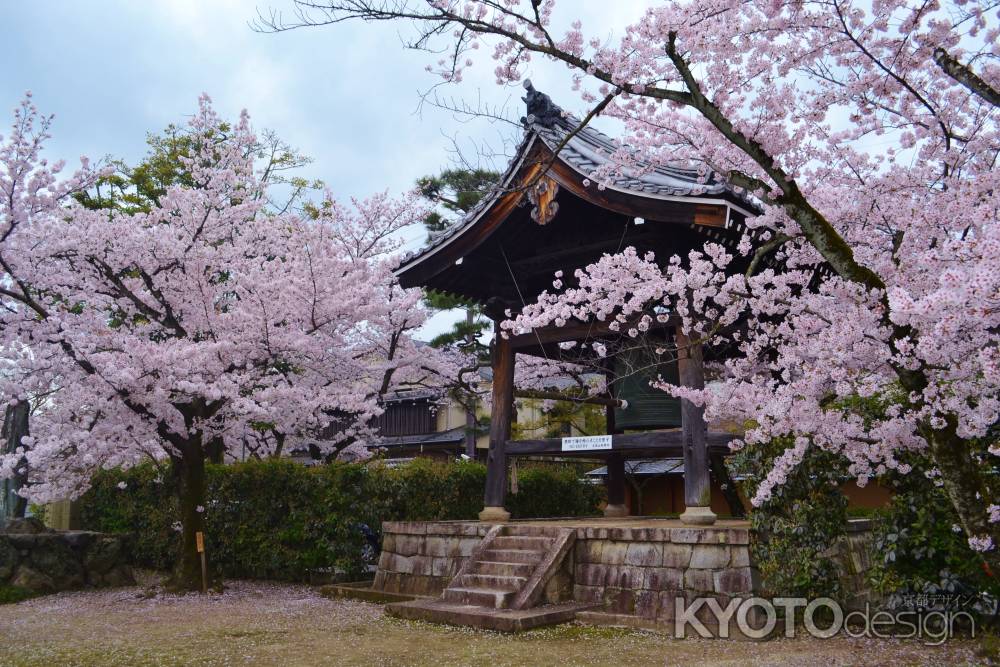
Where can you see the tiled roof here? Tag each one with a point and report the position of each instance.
(453, 435)
(411, 395)
(587, 151)
(590, 149)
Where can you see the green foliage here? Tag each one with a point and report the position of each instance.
(551, 490)
(14, 594)
(426, 490)
(139, 189)
(801, 521)
(445, 301)
(457, 190)
(147, 508)
(281, 520)
(559, 419)
(465, 333)
(919, 549)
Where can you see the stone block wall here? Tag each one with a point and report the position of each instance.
(632, 575)
(639, 572)
(852, 555)
(422, 557)
(629, 571)
(46, 561)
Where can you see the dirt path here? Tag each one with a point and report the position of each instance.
(275, 624)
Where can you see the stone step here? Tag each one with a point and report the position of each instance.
(493, 582)
(532, 531)
(502, 620)
(503, 569)
(522, 542)
(512, 556)
(478, 597)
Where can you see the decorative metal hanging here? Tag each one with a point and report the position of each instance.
(542, 195)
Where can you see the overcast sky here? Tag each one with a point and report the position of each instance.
(346, 95)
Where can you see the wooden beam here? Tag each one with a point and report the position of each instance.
(657, 444)
(547, 262)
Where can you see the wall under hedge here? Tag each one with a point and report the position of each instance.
(281, 520)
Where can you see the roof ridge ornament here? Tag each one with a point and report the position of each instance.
(541, 109)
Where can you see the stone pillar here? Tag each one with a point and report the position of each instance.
(697, 480)
(503, 409)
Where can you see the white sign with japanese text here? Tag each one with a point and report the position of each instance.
(586, 443)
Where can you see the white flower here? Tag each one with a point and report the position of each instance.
(122, 485)
(199, 509)
(981, 543)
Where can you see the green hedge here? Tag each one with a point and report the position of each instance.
(281, 520)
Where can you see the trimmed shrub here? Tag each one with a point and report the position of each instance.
(551, 491)
(793, 532)
(282, 520)
(921, 552)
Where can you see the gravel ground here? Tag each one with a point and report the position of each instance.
(256, 623)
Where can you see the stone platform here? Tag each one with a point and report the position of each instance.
(630, 570)
(484, 618)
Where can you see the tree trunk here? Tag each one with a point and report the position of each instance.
(15, 427)
(216, 448)
(720, 473)
(470, 429)
(963, 482)
(190, 478)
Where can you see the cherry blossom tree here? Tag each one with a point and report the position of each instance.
(176, 330)
(867, 132)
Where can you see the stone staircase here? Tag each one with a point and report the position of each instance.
(511, 567)
(519, 576)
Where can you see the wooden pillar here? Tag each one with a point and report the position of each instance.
(503, 410)
(616, 486)
(616, 469)
(697, 480)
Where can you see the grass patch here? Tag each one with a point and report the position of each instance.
(15, 594)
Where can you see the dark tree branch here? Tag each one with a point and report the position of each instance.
(964, 75)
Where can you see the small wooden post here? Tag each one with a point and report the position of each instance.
(503, 410)
(199, 539)
(697, 480)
